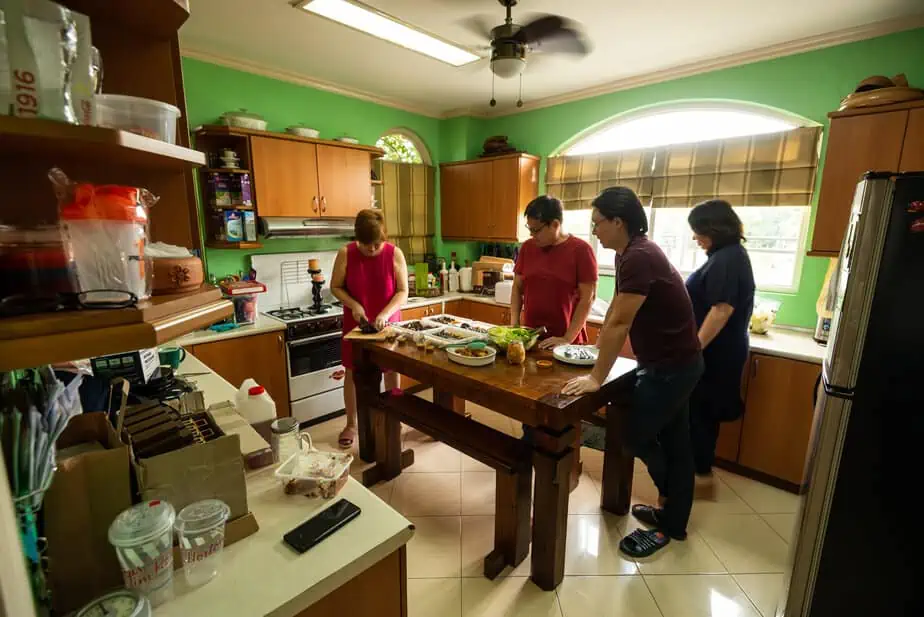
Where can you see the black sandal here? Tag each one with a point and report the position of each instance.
(643, 543)
(648, 515)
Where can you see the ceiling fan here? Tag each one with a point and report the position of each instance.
(510, 43)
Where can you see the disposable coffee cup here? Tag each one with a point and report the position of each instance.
(143, 540)
(200, 532)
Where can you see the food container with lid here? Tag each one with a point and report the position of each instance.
(313, 473)
(200, 532)
(243, 119)
(135, 114)
(143, 540)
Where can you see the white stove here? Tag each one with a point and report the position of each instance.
(299, 313)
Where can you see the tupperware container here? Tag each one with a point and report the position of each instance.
(137, 115)
(143, 540)
(200, 532)
(314, 473)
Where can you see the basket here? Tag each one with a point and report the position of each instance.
(314, 473)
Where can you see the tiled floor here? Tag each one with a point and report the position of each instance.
(730, 566)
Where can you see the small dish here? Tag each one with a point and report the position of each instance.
(544, 364)
(581, 355)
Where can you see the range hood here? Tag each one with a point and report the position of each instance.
(297, 227)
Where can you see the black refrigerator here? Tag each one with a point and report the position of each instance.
(858, 546)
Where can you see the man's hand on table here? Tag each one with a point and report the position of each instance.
(580, 385)
(553, 341)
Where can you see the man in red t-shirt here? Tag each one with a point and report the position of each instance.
(556, 277)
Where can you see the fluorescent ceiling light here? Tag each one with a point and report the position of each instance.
(388, 28)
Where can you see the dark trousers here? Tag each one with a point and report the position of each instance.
(704, 431)
(659, 434)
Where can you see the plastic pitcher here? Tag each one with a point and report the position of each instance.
(200, 532)
(254, 402)
(143, 540)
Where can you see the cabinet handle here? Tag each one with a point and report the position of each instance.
(314, 203)
(279, 340)
(754, 368)
(323, 205)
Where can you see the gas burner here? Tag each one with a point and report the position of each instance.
(319, 310)
(299, 313)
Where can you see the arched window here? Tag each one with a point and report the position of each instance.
(776, 233)
(403, 146)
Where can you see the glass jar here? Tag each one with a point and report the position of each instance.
(285, 438)
(516, 353)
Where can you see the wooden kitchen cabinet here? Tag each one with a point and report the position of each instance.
(489, 313)
(485, 199)
(285, 175)
(459, 308)
(778, 416)
(886, 138)
(343, 180)
(913, 146)
(260, 356)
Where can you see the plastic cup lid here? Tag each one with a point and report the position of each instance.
(141, 523)
(202, 516)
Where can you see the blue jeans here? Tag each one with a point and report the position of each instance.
(659, 433)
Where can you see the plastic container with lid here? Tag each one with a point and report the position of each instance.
(254, 402)
(143, 540)
(200, 532)
(35, 262)
(137, 115)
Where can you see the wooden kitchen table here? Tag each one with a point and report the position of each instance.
(525, 394)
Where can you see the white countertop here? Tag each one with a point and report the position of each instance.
(261, 325)
(784, 342)
(260, 576)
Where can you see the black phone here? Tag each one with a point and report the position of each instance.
(321, 525)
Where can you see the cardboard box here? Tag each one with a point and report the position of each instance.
(89, 489)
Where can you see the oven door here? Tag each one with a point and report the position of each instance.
(314, 365)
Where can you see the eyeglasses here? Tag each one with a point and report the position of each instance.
(594, 224)
(535, 231)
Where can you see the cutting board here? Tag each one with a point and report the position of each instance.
(356, 335)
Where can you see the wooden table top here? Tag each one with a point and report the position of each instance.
(526, 392)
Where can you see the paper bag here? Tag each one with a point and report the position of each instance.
(88, 491)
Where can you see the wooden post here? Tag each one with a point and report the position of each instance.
(511, 521)
(550, 515)
(618, 464)
(366, 378)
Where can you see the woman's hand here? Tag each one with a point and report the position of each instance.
(380, 322)
(553, 341)
(359, 314)
(580, 385)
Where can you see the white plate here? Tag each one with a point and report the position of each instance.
(559, 353)
(466, 361)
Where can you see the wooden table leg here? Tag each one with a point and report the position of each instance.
(447, 401)
(367, 379)
(578, 466)
(618, 465)
(511, 521)
(550, 516)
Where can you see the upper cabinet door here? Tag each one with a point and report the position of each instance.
(344, 180)
(285, 177)
(505, 203)
(479, 202)
(454, 221)
(913, 148)
(856, 144)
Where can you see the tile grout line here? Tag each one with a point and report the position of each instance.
(651, 593)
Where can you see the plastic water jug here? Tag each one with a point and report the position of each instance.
(254, 403)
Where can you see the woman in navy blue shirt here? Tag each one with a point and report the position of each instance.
(722, 291)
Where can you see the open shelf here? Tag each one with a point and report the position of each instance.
(45, 338)
(221, 244)
(376, 182)
(221, 170)
(231, 207)
(28, 136)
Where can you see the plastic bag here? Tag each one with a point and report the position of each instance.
(764, 315)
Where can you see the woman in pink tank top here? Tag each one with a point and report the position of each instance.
(370, 278)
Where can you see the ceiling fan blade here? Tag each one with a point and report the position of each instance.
(540, 28)
(564, 41)
(478, 25)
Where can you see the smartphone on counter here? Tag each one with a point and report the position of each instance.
(321, 525)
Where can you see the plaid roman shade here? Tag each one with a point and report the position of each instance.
(406, 197)
(776, 169)
(576, 180)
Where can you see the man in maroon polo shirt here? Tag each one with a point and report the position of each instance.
(555, 277)
(652, 306)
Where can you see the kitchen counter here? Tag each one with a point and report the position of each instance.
(791, 343)
(260, 576)
(261, 325)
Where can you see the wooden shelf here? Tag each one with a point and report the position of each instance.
(220, 170)
(225, 131)
(376, 182)
(161, 18)
(44, 338)
(231, 207)
(27, 136)
(221, 244)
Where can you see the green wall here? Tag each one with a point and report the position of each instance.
(809, 84)
(212, 90)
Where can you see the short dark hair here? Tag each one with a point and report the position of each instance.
(621, 202)
(717, 220)
(545, 208)
(369, 227)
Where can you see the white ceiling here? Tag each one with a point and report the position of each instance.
(631, 40)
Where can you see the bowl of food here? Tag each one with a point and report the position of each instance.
(502, 336)
(473, 354)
